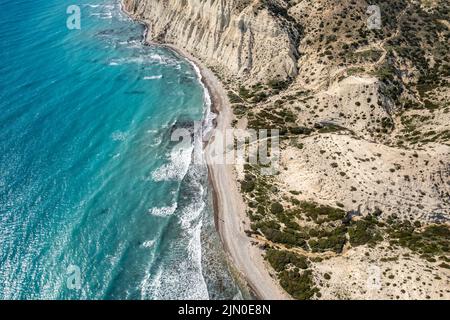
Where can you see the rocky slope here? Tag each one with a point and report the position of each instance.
(242, 37)
(365, 126)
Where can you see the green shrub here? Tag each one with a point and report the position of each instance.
(330, 128)
(364, 231)
(248, 185)
(300, 130)
(433, 241)
(332, 243)
(280, 259)
(314, 211)
(289, 238)
(276, 208)
(278, 85)
(244, 93)
(234, 98)
(299, 285)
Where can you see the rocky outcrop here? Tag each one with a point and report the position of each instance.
(247, 39)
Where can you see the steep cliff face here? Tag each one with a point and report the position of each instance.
(245, 38)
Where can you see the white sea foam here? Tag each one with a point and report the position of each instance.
(192, 212)
(148, 243)
(156, 57)
(119, 136)
(178, 166)
(181, 277)
(132, 44)
(156, 141)
(105, 11)
(106, 15)
(209, 116)
(153, 58)
(102, 15)
(163, 211)
(153, 77)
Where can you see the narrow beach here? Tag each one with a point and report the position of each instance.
(245, 257)
(229, 207)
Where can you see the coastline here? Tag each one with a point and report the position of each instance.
(229, 208)
(244, 255)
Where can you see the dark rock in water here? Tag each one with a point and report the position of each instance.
(104, 211)
(116, 32)
(183, 126)
(107, 32)
(186, 79)
(135, 92)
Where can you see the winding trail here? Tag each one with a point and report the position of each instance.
(379, 45)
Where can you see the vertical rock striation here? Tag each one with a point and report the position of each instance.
(246, 38)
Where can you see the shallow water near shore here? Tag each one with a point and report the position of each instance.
(86, 174)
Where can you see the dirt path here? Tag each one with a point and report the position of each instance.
(380, 46)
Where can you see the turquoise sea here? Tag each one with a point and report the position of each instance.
(90, 192)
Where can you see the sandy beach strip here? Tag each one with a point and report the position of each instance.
(229, 206)
(230, 216)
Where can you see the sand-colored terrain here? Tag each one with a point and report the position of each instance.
(363, 273)
(336, 168)
(363, 114)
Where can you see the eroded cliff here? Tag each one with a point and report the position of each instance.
(244, 38)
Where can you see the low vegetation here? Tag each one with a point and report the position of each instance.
(293, 273)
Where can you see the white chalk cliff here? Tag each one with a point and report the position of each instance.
(243, 37)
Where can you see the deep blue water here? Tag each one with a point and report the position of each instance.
(87, 180)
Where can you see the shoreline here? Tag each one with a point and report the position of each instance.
(242, 252)
(229, 208)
